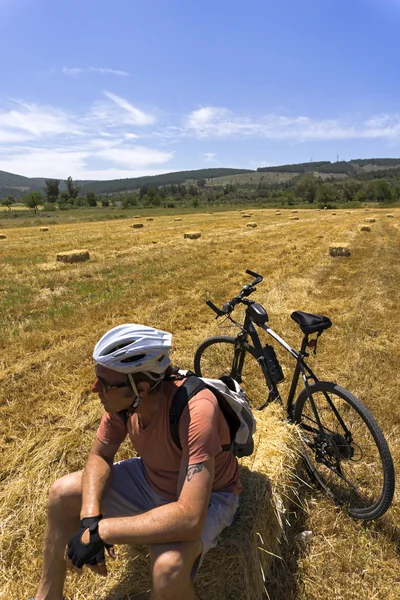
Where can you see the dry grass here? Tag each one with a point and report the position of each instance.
(51, 315)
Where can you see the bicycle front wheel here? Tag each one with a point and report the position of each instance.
(348, 456)
(223, 355)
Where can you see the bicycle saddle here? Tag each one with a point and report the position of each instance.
(311, 323)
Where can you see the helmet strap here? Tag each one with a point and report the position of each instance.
(138, 398)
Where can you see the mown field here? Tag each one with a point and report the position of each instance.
(52, 314)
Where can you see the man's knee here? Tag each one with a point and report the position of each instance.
(65, 494)
(172, 564)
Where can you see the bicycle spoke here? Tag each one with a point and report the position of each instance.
(352, 471)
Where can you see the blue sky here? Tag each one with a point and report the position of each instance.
(102, 90)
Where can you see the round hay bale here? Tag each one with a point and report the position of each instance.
(251, 225)
(178, 219)
(365, 228)
(293, 218)
(325, 208)
(390, 216)
(2, 236)
(192, 235)
(149, 219)
(333, 213)
(44, 229)
(137, 225)
(73, 256)
(339, 250)
(369, 220)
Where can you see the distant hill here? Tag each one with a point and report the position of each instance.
(363, 169)
(178, 177)
(17, 185)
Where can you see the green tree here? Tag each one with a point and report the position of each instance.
(105, 202)
(52, 189)
(307, 188)
(6, 202)
(73, 189)
(201, 183)
(349, 189)
(383, 192)
(91, 199)
(327, 194)
(33, 200)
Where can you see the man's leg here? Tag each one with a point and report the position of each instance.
(63, 512)
(171, 567)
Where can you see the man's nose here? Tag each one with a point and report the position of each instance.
(96, 387)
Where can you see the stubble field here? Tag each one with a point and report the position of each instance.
(52, 314)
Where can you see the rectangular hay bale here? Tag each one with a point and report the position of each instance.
(339, 250)
(137, 225)
(251, 225)
(192, 235)
(73, 256)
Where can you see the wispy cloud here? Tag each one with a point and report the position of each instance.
(101, 70)
(119, 112)
(213, 122)
(107, 141)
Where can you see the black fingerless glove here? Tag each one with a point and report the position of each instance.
(91, 553)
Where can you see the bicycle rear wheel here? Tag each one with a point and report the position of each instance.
(350, 459)
(218, 356)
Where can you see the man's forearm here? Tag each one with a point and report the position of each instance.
(167, 523)
(95, 478)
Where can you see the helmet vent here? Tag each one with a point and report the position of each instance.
(133, 359)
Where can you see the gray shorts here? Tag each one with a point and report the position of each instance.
(130, 494)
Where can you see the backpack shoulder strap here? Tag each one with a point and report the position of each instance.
(185, 392)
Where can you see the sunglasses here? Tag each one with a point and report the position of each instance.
(106, 387)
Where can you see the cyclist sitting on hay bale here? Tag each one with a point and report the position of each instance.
(177, 501)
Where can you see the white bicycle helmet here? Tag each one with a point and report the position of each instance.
(133, 348)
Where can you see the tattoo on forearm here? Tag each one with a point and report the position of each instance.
(192, 470)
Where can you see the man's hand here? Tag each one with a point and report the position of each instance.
(87, 548)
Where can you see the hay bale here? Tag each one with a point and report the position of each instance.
(390, 216)
(251, 225)
(333, 213)
(2, 236)
(293, 218)
(44, 229)
(234, 569)
(294, 211)
(365, 228)
(339, 250)
(278, 214)
(348, 212)
(192, 235)
(136, 217)
(137, 225)
(210, 213)
(178, 219)
(370, 220)
(246, 215)
(149, 219)
(73, 256)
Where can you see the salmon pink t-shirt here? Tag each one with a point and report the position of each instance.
(202, 431)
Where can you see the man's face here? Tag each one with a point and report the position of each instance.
(113, 389)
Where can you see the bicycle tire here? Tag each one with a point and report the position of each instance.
(214, 358)
(373, 472)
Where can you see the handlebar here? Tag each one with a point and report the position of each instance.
(245, 291)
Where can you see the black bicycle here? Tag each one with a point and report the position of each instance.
(345, 451)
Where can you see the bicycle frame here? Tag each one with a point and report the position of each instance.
(301, 367)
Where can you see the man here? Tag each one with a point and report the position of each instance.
(177, 501)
